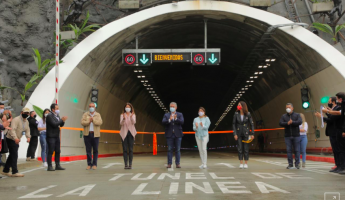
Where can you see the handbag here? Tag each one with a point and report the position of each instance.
(4, 147)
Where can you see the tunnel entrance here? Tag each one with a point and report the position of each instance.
(272, 62)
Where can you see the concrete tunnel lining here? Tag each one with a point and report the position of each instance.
(81, 57)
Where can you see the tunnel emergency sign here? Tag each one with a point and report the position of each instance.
(145, 57)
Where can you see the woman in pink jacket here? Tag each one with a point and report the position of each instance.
(127, 133)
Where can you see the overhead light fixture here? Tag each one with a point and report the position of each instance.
(250, 85)
(246, 88)
(142, 81)
(142, 76)
(146, 81)
(140, 71)
(265, 66)
(251, 77)
(136, 71)
(260, 72)
(255, 76)
(260, 66)
(248, 81)
(268, 60)
(273, 59)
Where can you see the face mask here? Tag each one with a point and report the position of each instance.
(172, 109)
(46, 115)
(201, 114)
(92, 109)
(330, 105)
(57, 112)
(239, 107)
(128, 109)
(35, 116)
(288, 110)
(25, 116)
(2, 110)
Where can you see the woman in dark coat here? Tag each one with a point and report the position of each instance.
(242, 123)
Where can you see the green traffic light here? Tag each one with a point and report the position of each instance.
(324, 99)
(305, 105)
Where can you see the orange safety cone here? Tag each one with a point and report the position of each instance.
(154, 144)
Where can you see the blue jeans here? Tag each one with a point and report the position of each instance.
(44, 146)
(174, 141)
(296, 143)
(304, 142)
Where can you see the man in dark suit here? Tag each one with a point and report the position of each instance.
(173, 122)
(332, 130)
(53, 136)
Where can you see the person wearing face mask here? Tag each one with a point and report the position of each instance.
(243, 127)
(43, 137)
(173, 122)
(331, 130)
(53, 136)
(33, 124)
(291, 122)
(91, 121)
(200, 126)
(340, 135)
(20, 127)
(127, 133)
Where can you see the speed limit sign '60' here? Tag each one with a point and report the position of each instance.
(198, 58)
(129, 59)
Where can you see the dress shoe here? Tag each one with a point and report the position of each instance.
(88, 167)
(342, 172)
(94, 167)
(6, 174)
(169, 166)
(17, 175)
(130, 167)
(338, 170)
(334, 170)
(50, 168)
(126, 166)
(58, 167)
(178, 166)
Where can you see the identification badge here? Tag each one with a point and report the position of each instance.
(23, 133)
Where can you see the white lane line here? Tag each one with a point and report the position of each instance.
(226, 164)
(32, 170)
(111, 164)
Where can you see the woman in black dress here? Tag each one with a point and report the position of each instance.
(242, 123)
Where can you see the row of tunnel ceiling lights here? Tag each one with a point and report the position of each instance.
(150, 89)
(246, 87)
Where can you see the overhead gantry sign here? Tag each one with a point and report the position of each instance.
(145, 57)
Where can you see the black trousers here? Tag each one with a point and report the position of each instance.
(335, 149)
(341, 146)
(242, 148)
(91, 143)
(12, 158)
(32, 147)
(53, 145)
(127, 145)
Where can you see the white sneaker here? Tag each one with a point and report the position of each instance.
(201, 166)
(241, 166)
(245, 166)
(45, 164)
(204, 166)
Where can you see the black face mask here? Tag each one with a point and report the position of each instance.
(35, 116)
(330, 105)
(25, 116)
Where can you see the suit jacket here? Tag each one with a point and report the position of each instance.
(174, 126)
(53, 125)
(332, 122)
(33, 123)
(242, 128)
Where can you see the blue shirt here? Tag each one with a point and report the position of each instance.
(202, 131)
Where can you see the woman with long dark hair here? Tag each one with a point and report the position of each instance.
(43, 137)
(242, 123)
(127, 133)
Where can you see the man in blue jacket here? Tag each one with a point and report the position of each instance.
(173, 122)
(291, 121)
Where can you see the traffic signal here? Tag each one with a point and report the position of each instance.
(94, 96)
(305, 98)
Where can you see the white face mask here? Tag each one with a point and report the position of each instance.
(201, 114)
(92, 109)
(46, 115)
(288, 110)
(1, 111)
(128, 109)
(57, 112)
